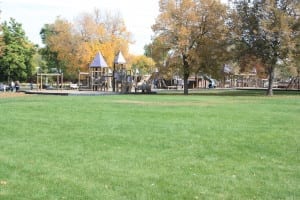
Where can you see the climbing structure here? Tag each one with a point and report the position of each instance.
(101, 77)
(98, 77)
(122, 78)
(99, 73)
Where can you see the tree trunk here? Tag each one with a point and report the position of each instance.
(186, 75)
(271, 80)
(186, 86)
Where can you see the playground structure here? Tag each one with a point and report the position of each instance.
(122, 78)
(143, 83)
(241, 80)
(45, 76)
(252, 80)
(101, 77)
(98, 76)
(294, 83)
(205, 81)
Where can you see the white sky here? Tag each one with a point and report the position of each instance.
(139, 15)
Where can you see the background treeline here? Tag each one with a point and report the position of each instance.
(200, 36)
(67, 47)
(190, 37)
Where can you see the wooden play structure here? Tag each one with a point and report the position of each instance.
(98, 76)
(122, 78)
(101, 78)
(240, 80)
(294, 83)
(252, 80)
(42, 79)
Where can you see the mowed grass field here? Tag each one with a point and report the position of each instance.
(202, 146)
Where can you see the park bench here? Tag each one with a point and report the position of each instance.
(74, 86)
(172, 87)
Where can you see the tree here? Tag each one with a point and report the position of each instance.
(16, 60)
(102, 32)
(72, 46)
(50, 57)
(158, 51)
(61, 49)
(296, 39)
(264, 32)
(144, 64)
(185, 27)
(1, 39)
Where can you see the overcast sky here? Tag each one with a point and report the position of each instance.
(139, 15)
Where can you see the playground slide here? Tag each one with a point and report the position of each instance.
(164, 85)
(144, 84)
(212, 82)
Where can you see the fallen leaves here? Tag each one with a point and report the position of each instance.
(11, 94)
(2, 182)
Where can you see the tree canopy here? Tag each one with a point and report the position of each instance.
(191, 37)
(202, 35)
(143, 63)
(265, 31)
(72, 46)
(16, 61)
(189, 28)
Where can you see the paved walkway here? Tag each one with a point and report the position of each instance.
(69, 92)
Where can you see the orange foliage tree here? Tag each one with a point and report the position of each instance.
(75, 44)
(106, 33)
(186, 28)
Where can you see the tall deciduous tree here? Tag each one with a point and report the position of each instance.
(158, 51)
(17, 53)
(265, 31)
(186, 27)
(296, 39)
(211, 50)
(48, 55)
(61, 50)
(144, 64)
(72, 46)
(105, 32)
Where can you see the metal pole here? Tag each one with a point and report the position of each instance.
(113, 82)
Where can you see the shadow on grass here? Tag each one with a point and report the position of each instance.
(233, 92)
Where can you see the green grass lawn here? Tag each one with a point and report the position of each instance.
(234, 146)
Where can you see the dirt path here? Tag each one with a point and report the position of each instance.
(12, 94)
